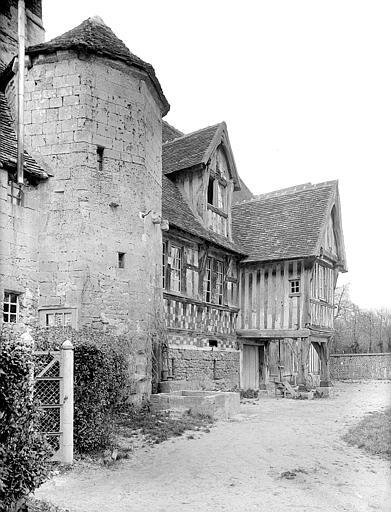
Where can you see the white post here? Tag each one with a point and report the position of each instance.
(67, 401)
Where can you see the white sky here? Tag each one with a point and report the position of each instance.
(304, 86)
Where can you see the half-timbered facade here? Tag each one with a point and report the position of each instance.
(200, 258)
(119, 222)
(295, 251)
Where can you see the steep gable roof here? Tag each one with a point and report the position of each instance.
(195, 149)
(244, 194)
(9, 145)
(169, 132)
(94, 36)
(176, 210)
(285, 224)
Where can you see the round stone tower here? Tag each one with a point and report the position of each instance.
(93, 115)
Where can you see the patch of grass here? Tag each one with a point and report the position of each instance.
(372, 433)
(158, 426)
(34, 505)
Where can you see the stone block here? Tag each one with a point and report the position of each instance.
(55, 102)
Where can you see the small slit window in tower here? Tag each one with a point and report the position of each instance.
(213, 343)
(99, 156)
(121, 260)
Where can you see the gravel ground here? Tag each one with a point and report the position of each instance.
(276, 455)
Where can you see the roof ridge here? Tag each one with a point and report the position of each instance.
(288, 191)
(173, 127)
(94, 36)
(193, 133)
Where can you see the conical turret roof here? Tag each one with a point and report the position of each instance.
(94, 36)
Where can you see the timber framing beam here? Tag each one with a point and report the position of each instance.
(273, 333)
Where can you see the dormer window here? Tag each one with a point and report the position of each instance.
(211, 186)
(217, 192)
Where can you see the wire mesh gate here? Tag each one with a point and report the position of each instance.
(53, 387)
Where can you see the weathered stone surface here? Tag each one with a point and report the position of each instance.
(360, 366)
(206, 369)
(61, 249)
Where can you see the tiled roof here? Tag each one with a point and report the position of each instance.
(283, 224)
(178, 213)
(94, 36)
(169, 133)
(189, 150)
(244, 194)
(8, 143)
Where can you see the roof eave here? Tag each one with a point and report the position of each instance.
(43, 49)
(238, 251)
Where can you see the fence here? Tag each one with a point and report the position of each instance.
(360, 366)
(53, 386)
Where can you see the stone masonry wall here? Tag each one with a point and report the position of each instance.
(75, 103)
(19, 248)
(360, 366)
(204, 368)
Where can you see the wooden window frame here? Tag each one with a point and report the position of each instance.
(179, 270)
(219, 282)
(8, 304)
(294, 287)
(58, 313)
(213, 288)
(164, 264)
(207, 291)
(219, 190)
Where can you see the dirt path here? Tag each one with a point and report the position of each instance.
(237, 466)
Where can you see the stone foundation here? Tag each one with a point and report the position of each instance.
(205, 369)
(217, 405)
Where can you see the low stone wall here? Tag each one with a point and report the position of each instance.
(360, 366)
(206, 369)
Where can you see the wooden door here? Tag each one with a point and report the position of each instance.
(250, 367)
(275, 361)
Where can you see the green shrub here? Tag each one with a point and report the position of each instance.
(23, 451)
(100, 390)
(102, 380)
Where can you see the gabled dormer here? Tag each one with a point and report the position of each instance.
(331, 242)
(203, 167)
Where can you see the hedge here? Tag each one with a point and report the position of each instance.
(99, 392)
(23, 450)
(102, 382)
(102, 379)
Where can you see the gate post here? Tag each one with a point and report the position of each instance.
(67, 401)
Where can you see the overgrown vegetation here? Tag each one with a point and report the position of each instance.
(102, 381)
(372, 433)
(23, 451)
(99, 392)
(34, 505)
(359, 330)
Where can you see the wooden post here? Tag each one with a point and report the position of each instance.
(325, 365)
(302, 365)
(67, 402)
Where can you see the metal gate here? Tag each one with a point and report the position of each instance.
(53, 387)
